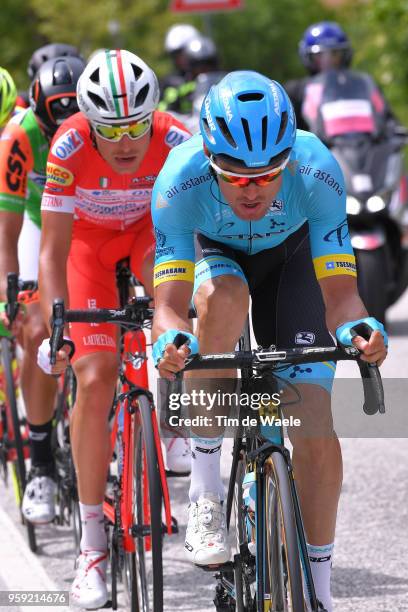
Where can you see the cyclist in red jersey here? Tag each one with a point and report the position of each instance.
(95, 211)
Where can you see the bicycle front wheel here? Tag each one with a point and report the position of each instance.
(283, 582)
(144, 568)
(19, 475)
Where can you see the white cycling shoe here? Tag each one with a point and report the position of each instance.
(89, 588)
(206, 535)
(178, 451)
(38, 505)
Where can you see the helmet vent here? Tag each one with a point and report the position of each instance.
(207, 128)
(225, 131)
(94, 77)
(251, 97)
(136, 71)
(142, 95)
(247, 133)
(98, 101)
(282, 127)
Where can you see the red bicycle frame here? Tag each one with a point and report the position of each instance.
(134, 356)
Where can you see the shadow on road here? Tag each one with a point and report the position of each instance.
(357, 582)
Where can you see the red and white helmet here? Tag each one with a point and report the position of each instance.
(116, 87)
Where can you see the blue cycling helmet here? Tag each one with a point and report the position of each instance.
(320, 37)
(249, 118)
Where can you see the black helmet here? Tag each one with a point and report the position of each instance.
(48, 52)
(53, 91)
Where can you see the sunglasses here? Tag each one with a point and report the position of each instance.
(114, 133)
(243, 180)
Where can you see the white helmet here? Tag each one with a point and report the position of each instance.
(117, 86)
(178, 35)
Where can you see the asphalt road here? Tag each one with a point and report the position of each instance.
(370, 572)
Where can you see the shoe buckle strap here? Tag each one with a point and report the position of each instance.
(96, 562)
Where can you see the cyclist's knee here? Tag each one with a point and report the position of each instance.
(96, 378)
(34, 334)
(221, 296)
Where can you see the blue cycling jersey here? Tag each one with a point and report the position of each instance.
(187, 199)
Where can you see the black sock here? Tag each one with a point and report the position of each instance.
(40, 443)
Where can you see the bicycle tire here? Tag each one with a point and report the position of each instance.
(144, 571)
(20, 473)
(283, 581)
(67, 490)
(131, 582)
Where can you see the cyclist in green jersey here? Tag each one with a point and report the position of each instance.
(8, 98)
(24, 147)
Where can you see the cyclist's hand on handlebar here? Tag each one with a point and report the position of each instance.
(43, 358)
(173, 360)
(169, 357)
(374, 349)
(373, 346)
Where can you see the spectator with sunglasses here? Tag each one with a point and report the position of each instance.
(267, 205)
(96, 211)
(24, 146)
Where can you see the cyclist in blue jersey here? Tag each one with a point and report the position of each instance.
(266, 204)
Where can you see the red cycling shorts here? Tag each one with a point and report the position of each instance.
(91, 274)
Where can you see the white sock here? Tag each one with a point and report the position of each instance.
(321, 563)
(93, 528)
(205, 467)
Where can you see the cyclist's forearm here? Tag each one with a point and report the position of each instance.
(52, 284)
(10, 228)
(172, 301)
(166, 318)
(353, 310)
(8, 263)
(342, 301)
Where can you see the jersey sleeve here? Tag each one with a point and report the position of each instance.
(173, 215)
(16, 161)
(63, 166)
(326, 212)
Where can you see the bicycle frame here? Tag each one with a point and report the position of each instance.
(135, 376)
(128, 420)
(7, 435)
(258, 448)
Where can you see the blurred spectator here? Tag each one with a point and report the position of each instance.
(48, 52)
(325, 47)
(176, 39)
(201, 57)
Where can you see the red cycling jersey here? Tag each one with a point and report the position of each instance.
(111, 217)
(80, 181)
